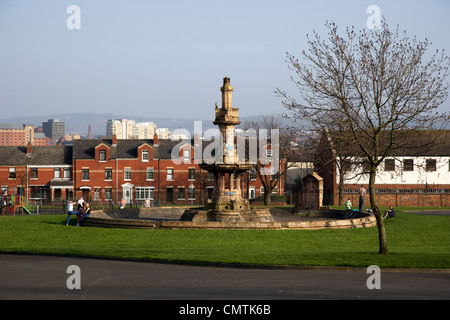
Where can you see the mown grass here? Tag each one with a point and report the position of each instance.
(414, 241)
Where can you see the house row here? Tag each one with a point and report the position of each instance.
(112, 169)
(418, 175)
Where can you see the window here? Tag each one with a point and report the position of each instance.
(181, 193)
(211, 176)
(252, 174)
(149, 174)
(108, 194)
(12, 173)
(66, 173)
(34, 173)
(275, 191)
(144, 155)
(186, 155)
(102, 155)
(97, 194)
(84, 174)
(169, 173)
(430, 165)
(127, 174)
(389, 165)
(191, 193)
(408, 165)
(57, 173)
(143, 193)
(108, 174)
(191, 174)
(38, 192)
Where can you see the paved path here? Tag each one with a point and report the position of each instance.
(45, 277)
(431, 212)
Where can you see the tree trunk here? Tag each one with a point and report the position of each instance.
(376, 211)
(341, 189)
(266, 197)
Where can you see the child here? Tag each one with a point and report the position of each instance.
(348, 204)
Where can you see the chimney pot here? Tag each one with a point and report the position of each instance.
(29, 147)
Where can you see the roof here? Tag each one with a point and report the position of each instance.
(40, 155)
(124, 148)
(406, 143)
(12, 126)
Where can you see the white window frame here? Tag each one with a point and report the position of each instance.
(145, 156)
(127, 174)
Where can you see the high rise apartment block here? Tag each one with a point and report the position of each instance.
(12, 134)
(130, 129)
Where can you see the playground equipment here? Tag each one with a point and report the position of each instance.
(17, 204)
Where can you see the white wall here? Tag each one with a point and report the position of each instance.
(418, 176)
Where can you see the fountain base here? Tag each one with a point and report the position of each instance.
(251, 215)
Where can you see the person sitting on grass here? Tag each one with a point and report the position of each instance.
(390, 213)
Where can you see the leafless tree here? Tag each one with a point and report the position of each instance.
(383, 86)
(286, 137)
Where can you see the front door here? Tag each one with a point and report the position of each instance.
(127, 192)
(252, 193)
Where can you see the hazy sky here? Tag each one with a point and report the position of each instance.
(168, 58)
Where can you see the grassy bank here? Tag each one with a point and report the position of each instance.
(414, 241)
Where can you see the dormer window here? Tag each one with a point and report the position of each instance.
(102, 155)
(187, 156)
(145, 155)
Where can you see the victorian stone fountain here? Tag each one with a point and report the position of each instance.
(228, 203)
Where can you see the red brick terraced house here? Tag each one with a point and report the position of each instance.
(112, 169)
(41, 173)
(107, 170)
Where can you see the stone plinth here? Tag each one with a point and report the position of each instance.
(231, 216)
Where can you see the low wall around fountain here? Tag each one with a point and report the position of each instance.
(168, 218)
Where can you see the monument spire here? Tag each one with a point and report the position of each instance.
(227, 92)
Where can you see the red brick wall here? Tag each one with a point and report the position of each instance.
(399, 195)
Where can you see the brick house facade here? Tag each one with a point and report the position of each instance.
(417, 177)
(107, 170)
(38, 173)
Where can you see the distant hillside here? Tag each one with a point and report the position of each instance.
(79, 122)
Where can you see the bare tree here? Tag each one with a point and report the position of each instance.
(383, 86)
(286, 137)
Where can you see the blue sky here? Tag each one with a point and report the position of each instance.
(168, 58)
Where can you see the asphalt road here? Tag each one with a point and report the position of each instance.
(39, 277)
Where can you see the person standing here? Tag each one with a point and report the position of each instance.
(362, 198)
(70, 211)
(80, 203)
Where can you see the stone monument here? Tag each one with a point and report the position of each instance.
(228, 203)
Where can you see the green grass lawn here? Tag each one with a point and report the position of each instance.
(414, 241)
